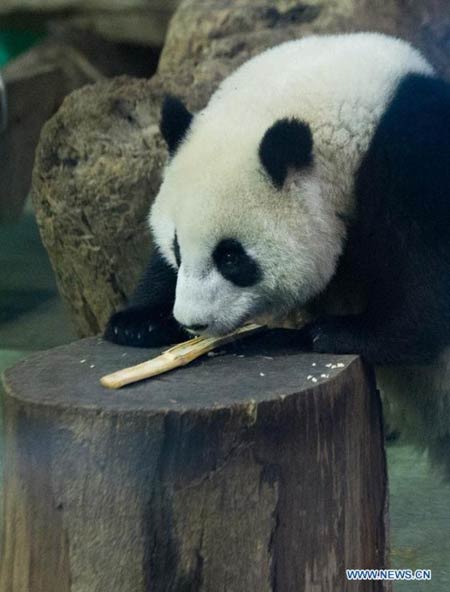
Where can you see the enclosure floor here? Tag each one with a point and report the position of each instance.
(32, 318)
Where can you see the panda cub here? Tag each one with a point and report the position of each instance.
(317, 176)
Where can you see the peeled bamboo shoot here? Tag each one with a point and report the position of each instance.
(179, 355)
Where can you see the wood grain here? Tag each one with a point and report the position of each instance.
(238, 473)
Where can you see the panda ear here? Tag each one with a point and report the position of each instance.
(287, 143)
(175, 121)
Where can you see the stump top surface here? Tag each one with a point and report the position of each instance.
(69, 377)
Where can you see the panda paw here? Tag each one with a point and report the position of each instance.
(333, 335)
(138, 327)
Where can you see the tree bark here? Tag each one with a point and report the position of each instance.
(239, 472)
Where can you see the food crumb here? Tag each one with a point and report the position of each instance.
(324, 376)
(172, 401)
(92, 366)
(314, 364)
(328, 365)
(214, 354)
(314, 379)
(261, 374)
(340, 365)
(82, 361)
(309, 377)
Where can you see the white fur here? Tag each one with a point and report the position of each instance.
(215, 186)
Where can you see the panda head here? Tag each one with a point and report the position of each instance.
(242, 217)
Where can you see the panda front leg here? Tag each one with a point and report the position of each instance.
(376, 339)
(147, 321)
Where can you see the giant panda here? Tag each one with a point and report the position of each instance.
(317, 178)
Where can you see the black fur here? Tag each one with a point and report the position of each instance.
(147, 321)
(235, 264)
(399, 244)
(176, 251)
(175, 122)
(287, 143)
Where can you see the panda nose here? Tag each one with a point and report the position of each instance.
(195, 328)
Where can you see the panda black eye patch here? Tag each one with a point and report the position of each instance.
(235, 264)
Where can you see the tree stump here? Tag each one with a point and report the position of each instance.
(252, 471)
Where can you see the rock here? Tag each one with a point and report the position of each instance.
(108, 57)
(84, 5)
(223, 36)
(140, 22)
(225, 33)
(137, 27)
(205, 42)
(36, 83)
(97, 167)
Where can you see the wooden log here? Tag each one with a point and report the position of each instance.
(254, 471)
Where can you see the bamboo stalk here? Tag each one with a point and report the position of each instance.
(179, 355)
